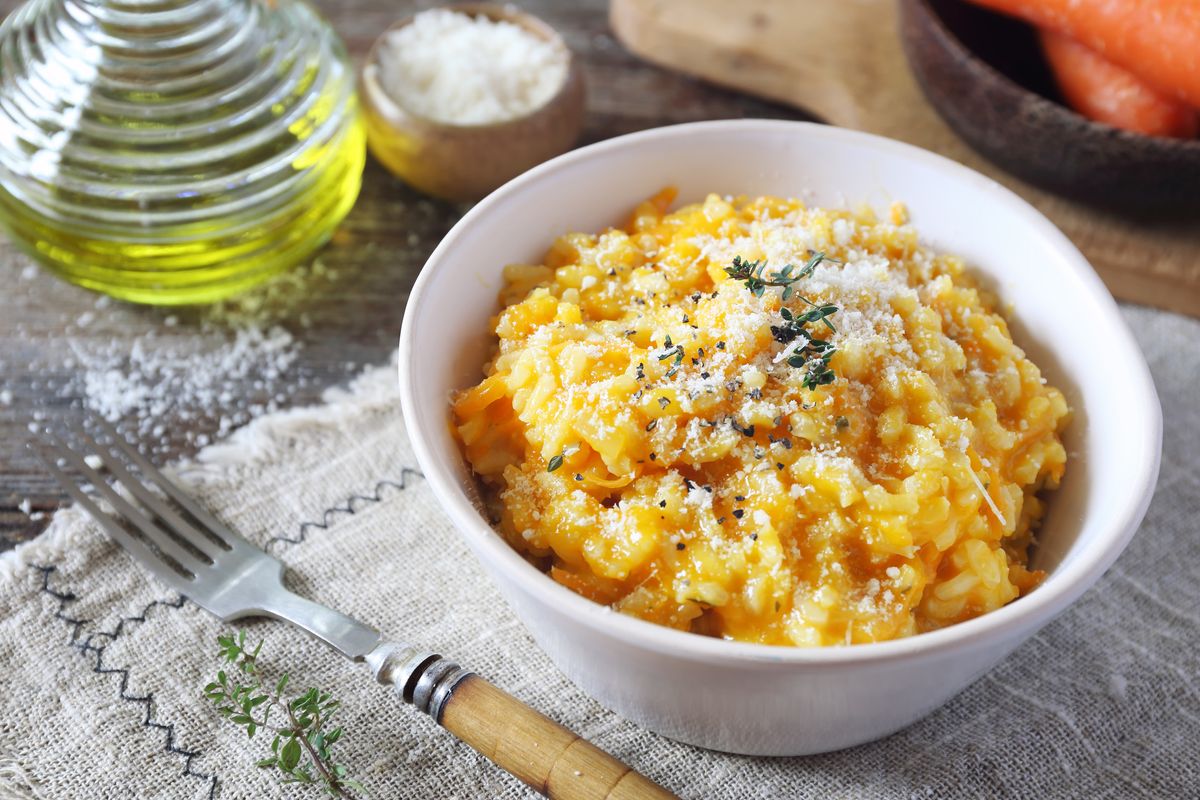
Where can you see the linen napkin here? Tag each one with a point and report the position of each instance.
(100, 692)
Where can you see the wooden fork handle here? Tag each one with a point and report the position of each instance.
(531, 746)
(548, 757)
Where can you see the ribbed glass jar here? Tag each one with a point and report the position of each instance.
(174, 151)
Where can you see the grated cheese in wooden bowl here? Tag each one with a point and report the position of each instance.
(457, 69)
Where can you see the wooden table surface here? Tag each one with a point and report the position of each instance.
(343, 315)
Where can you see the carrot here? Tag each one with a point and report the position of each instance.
(1100, 90)
(1157, 40)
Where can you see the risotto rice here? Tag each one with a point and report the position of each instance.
(642, 436)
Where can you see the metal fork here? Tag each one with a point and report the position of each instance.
(190, 550)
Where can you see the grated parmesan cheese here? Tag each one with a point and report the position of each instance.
(462, 70)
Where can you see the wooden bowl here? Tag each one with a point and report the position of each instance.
(466, 162)
(985, 75)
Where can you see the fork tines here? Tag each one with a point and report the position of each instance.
(165, 529)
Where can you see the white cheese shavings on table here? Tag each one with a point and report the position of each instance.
(190, 375)
(232, 365)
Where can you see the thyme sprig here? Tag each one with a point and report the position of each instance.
(813, 355)
(302, 743)
(753, 274)
(793, 326)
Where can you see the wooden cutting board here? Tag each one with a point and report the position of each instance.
(842, 61)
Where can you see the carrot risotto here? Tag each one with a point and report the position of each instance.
(765, 422)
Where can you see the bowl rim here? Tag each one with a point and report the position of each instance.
(1024, 615)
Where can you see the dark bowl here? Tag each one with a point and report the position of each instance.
(985, 75)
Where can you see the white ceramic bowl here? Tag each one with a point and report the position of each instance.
(759, 699)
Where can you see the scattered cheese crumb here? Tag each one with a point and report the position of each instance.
(224, 365)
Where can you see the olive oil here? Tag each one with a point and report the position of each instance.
(190, 172)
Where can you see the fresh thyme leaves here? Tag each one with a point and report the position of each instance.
(557, 461)
(753, 273)
(818, 374)
(814, 355)
(815, 314)
(302, 740)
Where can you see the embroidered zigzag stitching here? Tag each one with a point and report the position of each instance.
(86, 646)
